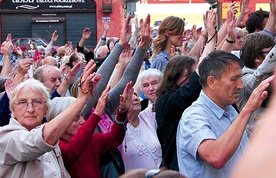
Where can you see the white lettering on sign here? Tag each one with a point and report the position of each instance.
(47, 1)
(23, 1)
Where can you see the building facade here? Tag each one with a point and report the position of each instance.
(39, 18)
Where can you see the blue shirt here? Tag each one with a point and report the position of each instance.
(160, 61)
(204, 120)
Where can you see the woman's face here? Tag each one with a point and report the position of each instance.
(239, 41)
(29, 109)
(149, 85)
(135, 106)
(175, 40)
(73, 128)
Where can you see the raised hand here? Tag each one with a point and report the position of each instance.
(106, 27)
(231, 35)
(258, 95)
(9, 88)
(24, 65)
(99, 110)
(126, 98)
(125, 32)
(88, 80)
(7, 46)
(18, 50)
(86, 33)
(244, 7)
(125, 57)
(54, 36)
(145, 33)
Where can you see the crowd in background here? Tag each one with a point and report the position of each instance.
(184, 103)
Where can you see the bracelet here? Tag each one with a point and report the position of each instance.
(104, 39)
(121, 122)
(213, 35)
(229, 41)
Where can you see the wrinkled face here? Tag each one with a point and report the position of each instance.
(52, 79)
(41, 54)
(76, 124)
(30, 115)
(239, 40)
(149, 85)
(226, 89)
(135, 105)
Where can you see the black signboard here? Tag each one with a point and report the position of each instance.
(47, 4)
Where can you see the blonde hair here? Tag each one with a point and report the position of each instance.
(170, 23)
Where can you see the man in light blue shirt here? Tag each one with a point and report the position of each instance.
(211, 134)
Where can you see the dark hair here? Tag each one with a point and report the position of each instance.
(255, 20)
(253, 46)
(215, 64)
(173, 72)
(269, 89)
(73, 58)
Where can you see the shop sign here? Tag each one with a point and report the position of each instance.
(46, 4)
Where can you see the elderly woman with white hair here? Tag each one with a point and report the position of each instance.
(148, 81)
(28, 147)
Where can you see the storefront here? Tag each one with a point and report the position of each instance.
(39, 18)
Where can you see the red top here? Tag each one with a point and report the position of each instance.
(81, 154)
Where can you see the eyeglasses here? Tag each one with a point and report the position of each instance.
(23, 104)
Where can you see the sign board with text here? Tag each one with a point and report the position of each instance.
(47, 4)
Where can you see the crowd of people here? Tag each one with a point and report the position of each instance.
(186, 103)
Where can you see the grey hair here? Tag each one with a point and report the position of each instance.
(58, 105)
(40, 48)
(147, 73)
(39, 72)
(26, 86)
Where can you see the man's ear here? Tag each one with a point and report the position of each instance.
(211, 82)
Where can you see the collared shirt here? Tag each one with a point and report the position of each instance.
(160, 61)
(204, 120)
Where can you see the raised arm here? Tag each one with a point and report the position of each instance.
(54, 38)
(102, 40)
(6, 50)
(132, 70)
(230, 38)
(259, 157)
(218, 152)
(244, 9)
(23, 67)
(196, 50)
(211, 40)
(271, 21)
(69, 80)
(54, 129)
(108, 65)
(73, 149)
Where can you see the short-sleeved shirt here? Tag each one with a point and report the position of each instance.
(204, 120)
(160, 61)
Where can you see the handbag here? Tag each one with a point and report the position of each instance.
(111, 162)
(112, 165)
